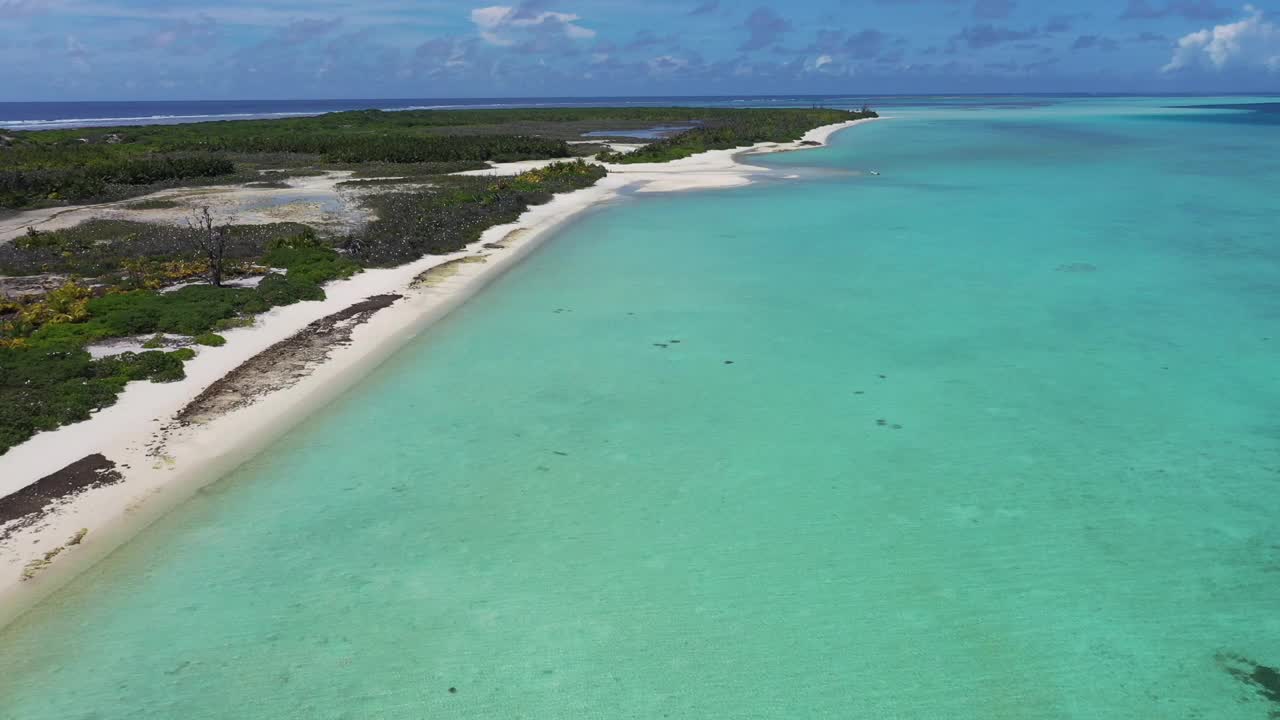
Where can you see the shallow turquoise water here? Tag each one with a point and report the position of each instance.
(1000, 439)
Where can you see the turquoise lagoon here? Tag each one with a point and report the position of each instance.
(995, 434)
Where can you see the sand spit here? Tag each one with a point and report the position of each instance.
(167, 441)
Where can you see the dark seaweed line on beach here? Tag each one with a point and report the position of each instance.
(33, 503)
(283, 364)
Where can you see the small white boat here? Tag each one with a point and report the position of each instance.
(875, 172)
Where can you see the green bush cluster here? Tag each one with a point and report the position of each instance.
(188, 311)
(747, 127)
(197, 309)
(309, 260)
(455, 211)
(51, 380)
(401, 149)
(416, 170)
(42, 389)
(34, 172)
(232, 323)
(101, 247)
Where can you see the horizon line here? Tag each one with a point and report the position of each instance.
(1258, 93)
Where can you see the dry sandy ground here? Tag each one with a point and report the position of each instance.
(160, 443)
(316, 201)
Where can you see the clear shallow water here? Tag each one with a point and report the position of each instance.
(1071, 315)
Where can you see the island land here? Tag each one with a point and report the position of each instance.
(174, 298)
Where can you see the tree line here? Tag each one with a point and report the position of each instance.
(746, 127)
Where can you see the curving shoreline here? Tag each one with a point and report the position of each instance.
(162, 461)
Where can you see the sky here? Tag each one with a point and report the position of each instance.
(57, 50)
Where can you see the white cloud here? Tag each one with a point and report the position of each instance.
(78, 53)
(497, 24)
(667, 64)
(1253, 41)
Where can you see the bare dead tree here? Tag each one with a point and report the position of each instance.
(211, 240)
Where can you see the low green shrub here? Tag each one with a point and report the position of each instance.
(455, 211)
(184, 354)
(42, 388)
(189, 311)
(309, 259)
(149, 365)
(68, 336)
(276, 290)
(232, 323)
(210, 340)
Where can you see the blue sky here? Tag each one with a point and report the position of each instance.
(183, 49)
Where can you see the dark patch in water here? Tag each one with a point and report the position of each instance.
(1267, 113)
(1077, 268)
(1264, 680)
(1270, 108)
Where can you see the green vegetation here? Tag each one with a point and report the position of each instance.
(454, 212)
(43, 388)
(232, 323)
(33, 172)
(137, 252)
(56, 167)
(44, 340)
(747, 127)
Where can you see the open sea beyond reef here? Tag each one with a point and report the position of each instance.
(994, 434)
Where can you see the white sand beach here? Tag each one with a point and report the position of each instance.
(161, 461)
